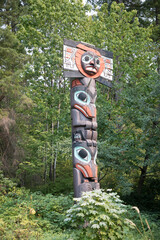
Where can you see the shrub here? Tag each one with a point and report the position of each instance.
(26, 215)
(6, 185)
(98, 215)
(52, 208)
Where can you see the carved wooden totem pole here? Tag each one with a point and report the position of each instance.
(85, 64)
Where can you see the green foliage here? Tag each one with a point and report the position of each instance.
(47, 133)
(128, 126)
(11, 12)
(6, 185)
(145, 224)
(26, 215)
(12, 61)
(99, 215)
(102, 215)
(51, 208)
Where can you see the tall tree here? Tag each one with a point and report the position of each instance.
(42, 31)
(11, 98)
(10, 12)
(148, 13)
(128, 125)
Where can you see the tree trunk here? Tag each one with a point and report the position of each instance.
(45, 153)
(142, 179)
(45, 166)
(142, 175)
(51, 174)
(54, 167)
(56, 153)
(51, 168)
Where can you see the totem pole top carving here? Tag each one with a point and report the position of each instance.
(85, 60)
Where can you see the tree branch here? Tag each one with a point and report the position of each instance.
(102, 177)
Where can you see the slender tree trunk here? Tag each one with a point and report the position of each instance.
(142, 179)
(55, 163)
(56, 153)
(51, 166)
(45, 166)
(143, 175)
(52, 156)
(45, 153)
(52, 149)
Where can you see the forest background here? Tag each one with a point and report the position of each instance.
(35, 122)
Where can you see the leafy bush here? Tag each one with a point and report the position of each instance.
(26, 215)
(98, 215)
(6, 185)
(16, 218)
(52, 208)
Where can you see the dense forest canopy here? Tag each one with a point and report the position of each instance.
(35, 125)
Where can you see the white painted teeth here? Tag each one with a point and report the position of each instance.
(91, 69)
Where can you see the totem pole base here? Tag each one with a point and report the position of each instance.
(82, 185)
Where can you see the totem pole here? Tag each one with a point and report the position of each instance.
(85, 64)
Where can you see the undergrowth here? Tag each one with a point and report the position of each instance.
(97, 215)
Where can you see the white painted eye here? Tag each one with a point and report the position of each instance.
(82, 97)
(82, 154)
(87, 58)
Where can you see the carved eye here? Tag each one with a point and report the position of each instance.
(82, 154)
(97, 62)
(82, 96)
(87, 58)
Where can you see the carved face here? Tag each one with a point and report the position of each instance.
(90, 63)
